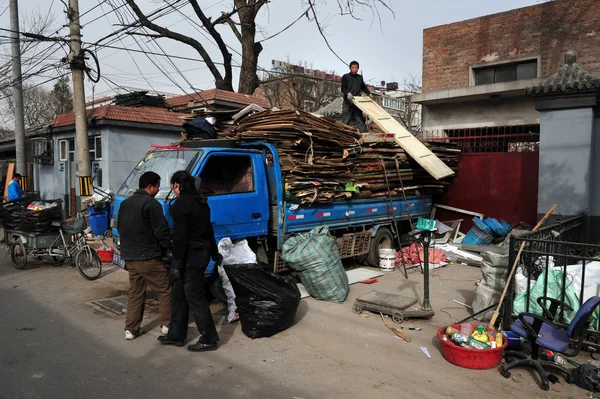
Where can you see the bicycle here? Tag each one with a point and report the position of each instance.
(69, 244)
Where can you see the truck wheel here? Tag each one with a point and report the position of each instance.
(383, 239)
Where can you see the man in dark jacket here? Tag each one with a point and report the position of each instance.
(145, 238)
(353, 85)
(193, 245)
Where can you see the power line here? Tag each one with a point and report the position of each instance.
(131, 56)
(38, 84)
(132, 25)
(91, 9)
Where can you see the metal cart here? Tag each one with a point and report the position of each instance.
(67, 244)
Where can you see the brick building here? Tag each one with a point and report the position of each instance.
(475, 72)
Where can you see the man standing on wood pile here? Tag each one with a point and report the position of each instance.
(353, 85)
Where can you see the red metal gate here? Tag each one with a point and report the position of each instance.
(497, 172)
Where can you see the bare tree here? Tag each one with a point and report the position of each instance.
(412, 113)
(299, 87)
(241, 20)
(35, 53)
(34, 50)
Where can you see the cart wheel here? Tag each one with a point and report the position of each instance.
(108, 233)
(18, 255)
(88, 264)
(398, 317)
(357, 308)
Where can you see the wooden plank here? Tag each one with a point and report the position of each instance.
(419, 152)
(10, 173)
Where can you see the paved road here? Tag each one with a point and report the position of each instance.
(45, 355)
(54, 346)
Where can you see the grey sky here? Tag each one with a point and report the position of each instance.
(388, 52)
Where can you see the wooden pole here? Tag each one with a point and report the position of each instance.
(514, 267)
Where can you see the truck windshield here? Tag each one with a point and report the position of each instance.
(163, 162)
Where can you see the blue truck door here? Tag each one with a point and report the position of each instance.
(236, 187)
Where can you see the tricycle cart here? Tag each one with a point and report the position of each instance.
(67, 244)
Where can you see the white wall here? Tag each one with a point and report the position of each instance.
(122, 149)
(126, 147)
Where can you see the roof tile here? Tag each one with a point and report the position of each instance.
(570, 78)
(155, 116)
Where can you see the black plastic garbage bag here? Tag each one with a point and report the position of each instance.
(199, 128)
(267, 303)
(587, 377)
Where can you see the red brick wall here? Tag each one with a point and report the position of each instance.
(547, 30)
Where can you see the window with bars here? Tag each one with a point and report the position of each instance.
(506, 72)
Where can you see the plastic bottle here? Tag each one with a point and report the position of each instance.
(459, 338)
(466, 329)
(480, 334)
(558, 359)
(451, 331)
(499, 339)
(475, 344)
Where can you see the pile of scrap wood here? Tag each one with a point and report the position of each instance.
(324, 160)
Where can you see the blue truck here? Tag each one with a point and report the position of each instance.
(245, 188)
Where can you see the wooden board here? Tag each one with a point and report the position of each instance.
(10, 173)
(419, 152)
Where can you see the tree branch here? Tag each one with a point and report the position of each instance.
(235, 30)
(217, 37)
(145, 35)
(220, 83)
(251, 3)
(314, 13)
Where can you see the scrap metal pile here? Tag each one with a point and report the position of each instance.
(324, 160)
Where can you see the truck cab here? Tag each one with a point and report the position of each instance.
(232, 179)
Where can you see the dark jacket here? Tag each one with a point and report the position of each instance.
(354, 85)
(143, 229)
(192, 228)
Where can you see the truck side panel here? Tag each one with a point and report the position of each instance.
(355, 213)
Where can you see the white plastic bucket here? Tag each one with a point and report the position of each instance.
(387, 259)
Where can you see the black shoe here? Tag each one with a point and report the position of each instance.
(163, 339)
(202, 347)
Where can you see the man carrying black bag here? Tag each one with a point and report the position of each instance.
(193, 246)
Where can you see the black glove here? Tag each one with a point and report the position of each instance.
(174, 274)
(167, 256)
(218, 258)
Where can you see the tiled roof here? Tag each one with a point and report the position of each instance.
(333, 108)
(212, 95)
(155, 116)
(571, 78)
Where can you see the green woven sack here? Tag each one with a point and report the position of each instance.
(315, 257)
(554, 290)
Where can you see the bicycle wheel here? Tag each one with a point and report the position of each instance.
(88, 264)
(18, 255)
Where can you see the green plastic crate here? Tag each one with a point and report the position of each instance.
(425, 224)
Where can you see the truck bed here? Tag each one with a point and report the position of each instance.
(351, 213)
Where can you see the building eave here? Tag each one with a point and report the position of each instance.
(473, 93)
(108, 123)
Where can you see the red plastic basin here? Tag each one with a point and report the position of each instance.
(106, 256)
(468, 357)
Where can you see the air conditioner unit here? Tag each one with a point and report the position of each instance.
(42, 150)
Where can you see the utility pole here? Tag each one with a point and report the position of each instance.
(84, 165)
(18, 93)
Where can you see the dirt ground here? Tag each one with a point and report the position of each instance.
(329, 352)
